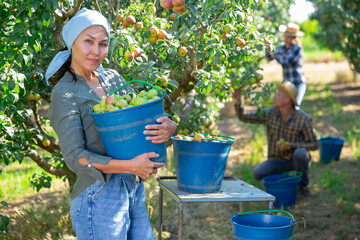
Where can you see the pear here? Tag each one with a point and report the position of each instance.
(155, 98)
(97, 108)
(143, 93)
(198, 137)
(179, 137)
(152, 93)
(188, 138)
(138, 101)
(110, 108)
(132, 95)
(110, 100)
(102, 102)
(127, 98)
(121, 103)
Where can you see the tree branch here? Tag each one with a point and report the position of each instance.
(221, 15)
(57, 171)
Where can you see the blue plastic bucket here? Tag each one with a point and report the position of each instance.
(249, 226)
(200, 166)
(283, 187)
(121, 131)
(330, 149)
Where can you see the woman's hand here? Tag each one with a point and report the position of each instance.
(144, 167)
(162, 132)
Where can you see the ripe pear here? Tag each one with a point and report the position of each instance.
(121, 103)
(102, 102)
(97, 108)
(132, 95)
(110, 108)
(138, 101)
(110, 100)
(198, 137)
(179, 137)
(155, 98)
(152, 93)
(127, 98)
(188, 138)
(143, 94)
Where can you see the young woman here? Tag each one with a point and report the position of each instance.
(290, 55)
(104, 205)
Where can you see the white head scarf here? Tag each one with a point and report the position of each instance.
(83, 19)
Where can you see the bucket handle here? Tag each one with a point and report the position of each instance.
(160, 92)
(270, 211)
(303, 220)
(297, 175)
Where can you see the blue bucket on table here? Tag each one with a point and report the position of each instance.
(330, 148)
(200, 165)
(254, 226)
(121, 131)
(283, 187)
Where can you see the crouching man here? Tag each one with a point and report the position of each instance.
(290, 136)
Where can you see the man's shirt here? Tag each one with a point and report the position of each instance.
(297, 129)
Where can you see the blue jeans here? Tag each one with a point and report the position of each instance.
(300, 161)
(301, 92)
(112, 210)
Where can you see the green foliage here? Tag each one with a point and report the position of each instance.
(4, 220)
(340, 25)
(31, 35)
(39, 181)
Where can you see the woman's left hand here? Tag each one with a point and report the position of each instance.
(162, 132)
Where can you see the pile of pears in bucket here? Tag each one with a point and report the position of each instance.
(199, 137)
(118, 102)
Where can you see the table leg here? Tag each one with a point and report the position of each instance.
(181, 207)
(160, 212)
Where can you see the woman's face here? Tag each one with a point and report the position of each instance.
(89, 50)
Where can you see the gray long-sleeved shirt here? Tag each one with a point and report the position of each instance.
(69, 117)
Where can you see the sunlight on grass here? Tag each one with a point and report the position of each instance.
(15, 181)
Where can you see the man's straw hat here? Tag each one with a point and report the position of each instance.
(289, 89)
(291, 29)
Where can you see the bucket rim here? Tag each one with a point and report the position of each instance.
(230, 141)
(292, 180)
(291, 222)
(331, 138)
(124, 109)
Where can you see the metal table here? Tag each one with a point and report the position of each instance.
(232, 190)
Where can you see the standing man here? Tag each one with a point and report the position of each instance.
(290, 136)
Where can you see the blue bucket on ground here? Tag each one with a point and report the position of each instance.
(200, 166)
(330, 148)
(121, 131)
(283, 187)
(254, 226)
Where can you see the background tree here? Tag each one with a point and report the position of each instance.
(210, 47)
(340, 24)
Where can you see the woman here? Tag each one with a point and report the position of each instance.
(290, 55)
(104, 205)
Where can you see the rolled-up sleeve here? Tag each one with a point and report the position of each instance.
(66, 121)
(249, 117)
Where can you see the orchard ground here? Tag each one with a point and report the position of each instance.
(332, 213)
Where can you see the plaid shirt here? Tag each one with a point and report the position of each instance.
(291, 62)
(298, 130)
